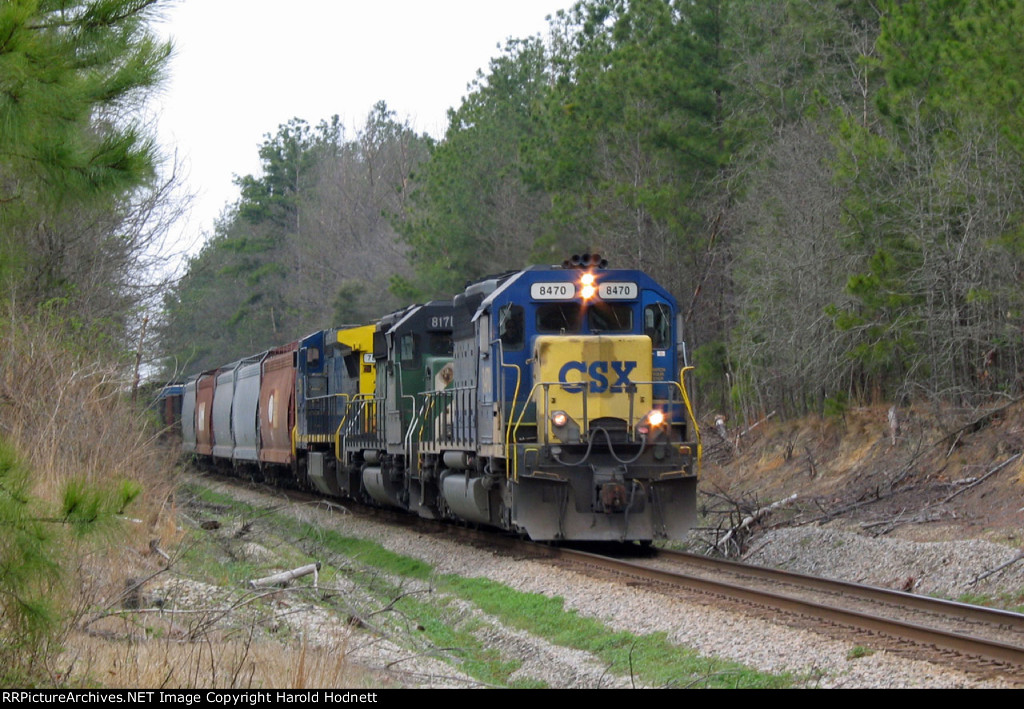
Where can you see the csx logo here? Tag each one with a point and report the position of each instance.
(600, 373)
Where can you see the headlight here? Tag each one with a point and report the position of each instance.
(651, 423)
(564, 428)
(588, 288)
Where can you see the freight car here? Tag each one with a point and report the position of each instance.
(549, 402)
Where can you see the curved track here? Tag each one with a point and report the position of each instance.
(979, 638)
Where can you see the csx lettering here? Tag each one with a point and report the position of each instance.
(598, 373)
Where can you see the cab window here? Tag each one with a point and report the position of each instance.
(440, 344)
(407, 351)
(658, 325)
(316, 385)
(559, 317)
(510, 327)
(610, 317)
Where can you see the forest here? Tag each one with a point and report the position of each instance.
(830, 189)
(85, 206)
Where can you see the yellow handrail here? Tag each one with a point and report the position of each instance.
(344, 419)
(515, 451)
(689, 410)
(512, 409)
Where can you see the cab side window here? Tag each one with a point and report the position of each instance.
(408, 352)
(511, 321)
(658, 325)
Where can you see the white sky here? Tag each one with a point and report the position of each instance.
(243, 67)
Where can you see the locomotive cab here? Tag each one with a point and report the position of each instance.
(336, 369)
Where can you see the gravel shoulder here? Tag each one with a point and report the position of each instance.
(812, 659)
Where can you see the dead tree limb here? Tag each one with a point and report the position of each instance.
(753, 517)
(154, 548)
(757, 423)
(996, 570)
(978, 423)
(984, 477)
(283, 578)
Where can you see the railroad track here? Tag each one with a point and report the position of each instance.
(974, 638)
(980, 639)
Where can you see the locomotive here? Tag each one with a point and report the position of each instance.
(549, 402)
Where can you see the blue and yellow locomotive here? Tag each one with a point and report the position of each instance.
(548, 402)
(567, 417)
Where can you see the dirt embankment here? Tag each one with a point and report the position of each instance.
(892, 480)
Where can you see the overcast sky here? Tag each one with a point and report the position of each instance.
(243, 67)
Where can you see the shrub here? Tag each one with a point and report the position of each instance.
(75, 456)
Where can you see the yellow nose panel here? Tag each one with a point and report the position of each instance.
(592, 377)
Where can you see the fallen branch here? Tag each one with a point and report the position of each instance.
(898, 521)
(154, 548)
(984, 477)
(756, 424)
(283, 578)
(756, 515)
(391, 606)
(996, 570)
(978, 423)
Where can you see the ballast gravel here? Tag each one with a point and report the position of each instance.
(815, 660)
(812, 659)
(947, 569)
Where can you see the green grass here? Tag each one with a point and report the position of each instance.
(437, 623)
(1009, 601)
(859, 651)
(651, 659)
(975, 599)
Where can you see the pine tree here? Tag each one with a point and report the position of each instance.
(73, 75)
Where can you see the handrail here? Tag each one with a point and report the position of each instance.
(689, 410)
(363, 401)
(305, 437)
(515, 450)
(406, 442)
(418, 418)
(344, 419)
(512, 409)
(324, 396)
